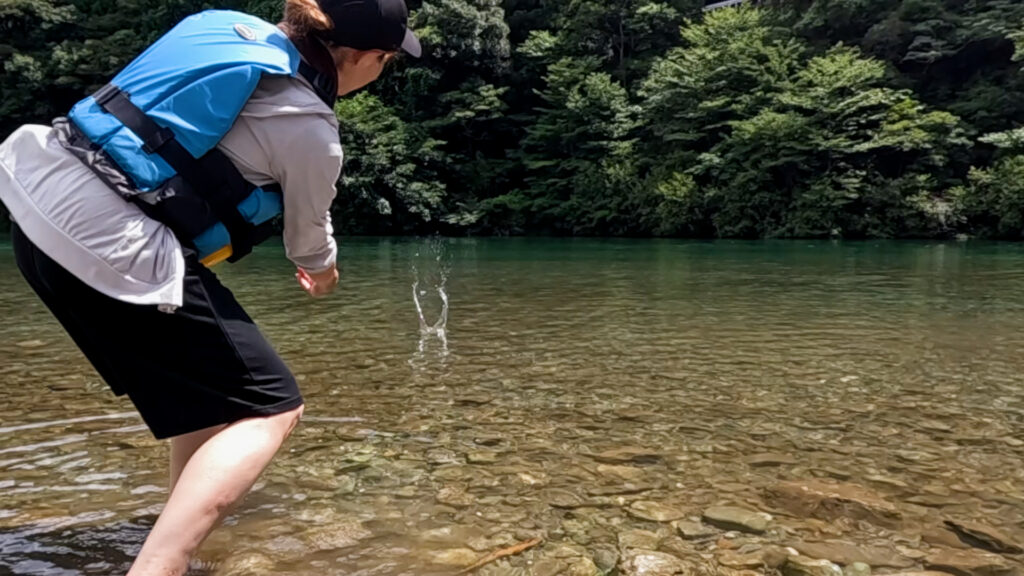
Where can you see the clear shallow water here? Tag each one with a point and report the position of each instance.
(893, 366)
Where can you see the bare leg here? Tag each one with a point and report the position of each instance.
(219, 473)
(182, 449)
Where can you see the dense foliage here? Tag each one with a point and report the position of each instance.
(794, 118)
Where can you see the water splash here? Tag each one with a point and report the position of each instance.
(434, 278)
(439, 328)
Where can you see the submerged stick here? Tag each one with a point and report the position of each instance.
(499, 554)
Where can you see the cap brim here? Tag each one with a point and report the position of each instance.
(411, 44)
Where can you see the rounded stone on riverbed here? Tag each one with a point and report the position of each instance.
(345, 485)
(621, 473)
(582, 567)
(638, 539)
(736, 518)
(454, 496)
(482, 457)
(405, 492)
(558, 498)
(648, 563)
(655, 511)
(693, 530)
(336, 535)
(438, 456)
(857, 569)
(803, 566)
(548, 567)
(245, 564)
(455, 557)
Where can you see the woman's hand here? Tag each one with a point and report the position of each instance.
(320, 283)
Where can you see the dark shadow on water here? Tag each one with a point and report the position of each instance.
(46, 549)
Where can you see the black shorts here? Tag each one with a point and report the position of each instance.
(204, 365)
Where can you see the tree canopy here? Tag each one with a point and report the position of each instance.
(791, 118)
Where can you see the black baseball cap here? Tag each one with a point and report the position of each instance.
(371, 25)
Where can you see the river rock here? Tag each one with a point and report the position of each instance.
(803, 566)
(558, 498)
(622, 489)
(846, 553)
(641, 539)
(482, 457)
(857, 569)
(439, 456)
(920, 573)
(346, 484)
(677, 547)
(621, 473)
(451, 534)
(914, 554)
(565, 551)
(985, 537)
(939, 536)
(582, 567)
(692, 530)
(405, 492)
(605, 557)
(655, 511)
(970, 563)
(566, 561)
(548, 567)
(769, 459)
(336, 535)
(647, 563)
(627, 455)
(533, 478)
(31, 344)
(320, 483)
(454, 496)
(915, 456)
(735, 518)
(246, 564)
(455, 557)
(767, 557)
(829, 501)
(454, 473)
(284, 545)
(935, 426)
(733, 559)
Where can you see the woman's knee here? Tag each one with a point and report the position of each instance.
(274, 428)
(287, 421)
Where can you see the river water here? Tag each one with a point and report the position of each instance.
(571, 380)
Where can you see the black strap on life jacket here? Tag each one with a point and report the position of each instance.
(325, 86)
(214, 176)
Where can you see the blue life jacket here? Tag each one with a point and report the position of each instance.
(160, 119)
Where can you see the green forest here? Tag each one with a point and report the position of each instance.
(791, 118)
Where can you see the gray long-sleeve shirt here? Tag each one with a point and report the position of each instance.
(285, 134)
